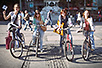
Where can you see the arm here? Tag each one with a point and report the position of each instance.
(70, 22)
(43, 19)
(20, 20)
(92, 25)
(82, 24)
(6, 17)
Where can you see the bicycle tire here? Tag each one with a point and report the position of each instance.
(14, 49)
(69, 51)
(85, 50)
(37, 45)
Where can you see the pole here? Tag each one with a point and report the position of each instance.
(20, 5)
(84, 5)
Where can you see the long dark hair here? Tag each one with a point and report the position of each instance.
(36, 16)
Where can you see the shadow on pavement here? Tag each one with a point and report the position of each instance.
(50, 53)
(2, 45)
(95, 57)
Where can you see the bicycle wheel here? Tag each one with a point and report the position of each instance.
(85, 50)
(16, 48)
(37, 45)
(69, 51)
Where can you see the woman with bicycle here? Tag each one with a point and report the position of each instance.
(15, 19)
(88, 27)
(63, 18)
(37, 19)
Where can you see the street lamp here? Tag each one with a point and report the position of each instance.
(84, 5)
(68, 5)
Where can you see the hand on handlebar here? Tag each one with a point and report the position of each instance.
(19, 27)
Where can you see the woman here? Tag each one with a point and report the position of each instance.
(88, 26)
(27, 20)
(67, 22)
(36, 21)
(15, 19)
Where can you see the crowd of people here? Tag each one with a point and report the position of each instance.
(85, 22)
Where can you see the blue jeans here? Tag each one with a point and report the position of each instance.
(41, 37)
(86, 33)
(17, 31)
(62, 37)
(92, 40)
(49, 21)
(27, 24)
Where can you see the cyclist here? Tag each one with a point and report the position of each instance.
(67, 22)
(15, 20)
(88, 26)
(36, 21)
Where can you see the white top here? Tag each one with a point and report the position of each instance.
(90, 20)
(13, 16)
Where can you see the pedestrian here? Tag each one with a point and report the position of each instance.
(99, 17)
(37, 19)
(75, 17)
(26, 18)
(88, 26)
(22, 15)
(15, 20)
(79, 18)
(67, 22)
(49, 18)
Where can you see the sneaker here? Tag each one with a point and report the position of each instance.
(92, 49)
(41, 50)
(32, 44)
(13, 50)
(61, 50)
(30, 30)
(24, 29)
(23, 43)
(51, 26)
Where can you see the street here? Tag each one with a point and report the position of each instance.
(51, 57)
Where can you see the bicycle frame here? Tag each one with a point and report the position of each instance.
(66, 36)
(88, 39)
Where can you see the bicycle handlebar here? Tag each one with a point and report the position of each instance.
(66, 28)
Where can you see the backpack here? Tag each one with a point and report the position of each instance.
(27, 17)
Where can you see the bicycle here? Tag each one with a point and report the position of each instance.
(86, 47)
(68, 47)
(16, 46)
(37, 40)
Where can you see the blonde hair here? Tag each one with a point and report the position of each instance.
(16, 5)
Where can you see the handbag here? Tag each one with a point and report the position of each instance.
(8, 40)
(57, 30)
(44, 28)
